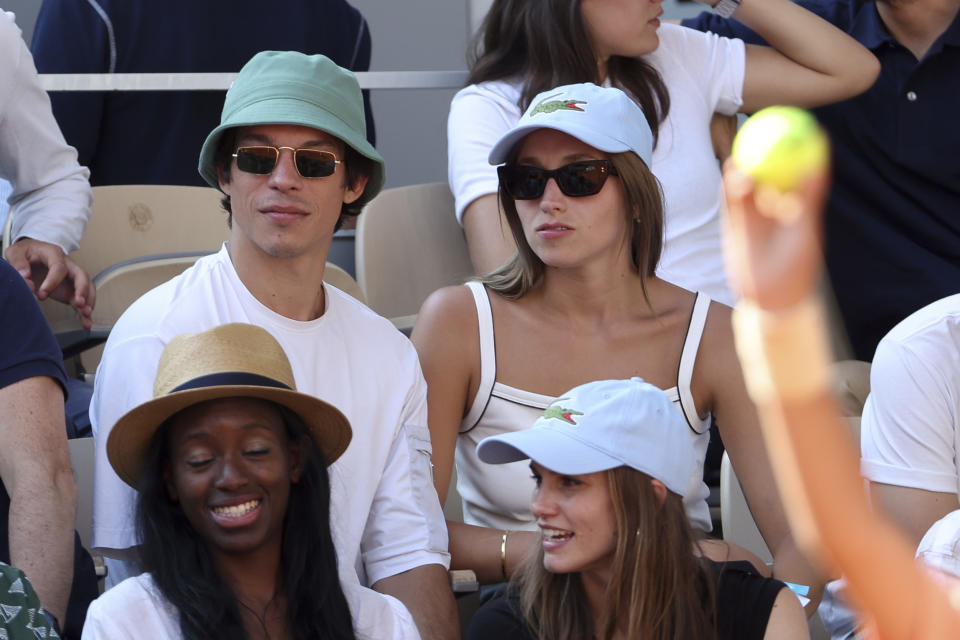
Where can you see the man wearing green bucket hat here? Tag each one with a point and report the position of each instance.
(292, 160)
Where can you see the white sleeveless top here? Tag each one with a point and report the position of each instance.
(498, 496)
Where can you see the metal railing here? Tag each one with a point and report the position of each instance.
(222, 81)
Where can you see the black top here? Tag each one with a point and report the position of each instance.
(744, 601)
(892, 226)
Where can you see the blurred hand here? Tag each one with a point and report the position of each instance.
(50, 273)
(772, 239)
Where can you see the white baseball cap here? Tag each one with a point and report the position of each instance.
(603, 117)
(603, 425)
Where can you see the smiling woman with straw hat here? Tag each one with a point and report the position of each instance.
(233, 510)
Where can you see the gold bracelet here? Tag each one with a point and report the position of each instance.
(503, 554)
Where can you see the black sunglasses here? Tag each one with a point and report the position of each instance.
(576, 179)
(310, 163)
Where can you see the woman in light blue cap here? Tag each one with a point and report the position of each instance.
(580, 301)
(617, 558)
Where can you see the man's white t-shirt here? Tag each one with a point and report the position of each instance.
(703, 74)
(135, 608)
(385, 516)
(910, 431)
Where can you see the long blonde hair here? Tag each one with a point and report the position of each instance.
(657, 591)
(643, 213)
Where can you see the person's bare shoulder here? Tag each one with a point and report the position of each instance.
(449, 308)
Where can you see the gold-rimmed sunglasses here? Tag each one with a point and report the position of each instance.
(310, 163)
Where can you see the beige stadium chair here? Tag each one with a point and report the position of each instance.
(82, 453)
(338, 277)
(132, 221)
(409, 244)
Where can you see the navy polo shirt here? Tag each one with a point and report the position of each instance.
(155, 137)
(893, 219)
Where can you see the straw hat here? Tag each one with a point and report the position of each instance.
(232, 360)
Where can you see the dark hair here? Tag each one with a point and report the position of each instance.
(356, 165)
(545, 43)
(184, 572)
(644, 217)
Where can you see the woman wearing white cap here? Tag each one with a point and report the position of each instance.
(616, 557)
(233, 510)
(579, 301)
(678, 76)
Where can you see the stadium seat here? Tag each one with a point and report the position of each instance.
(409, 244)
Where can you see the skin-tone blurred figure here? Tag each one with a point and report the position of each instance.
(776, 260)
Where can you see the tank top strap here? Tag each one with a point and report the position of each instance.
(488, 356)
(698, 319)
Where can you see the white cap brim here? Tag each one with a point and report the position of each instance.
(556, 451)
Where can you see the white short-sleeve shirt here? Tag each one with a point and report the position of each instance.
(385, 516)
(910, 431)
(135, 609)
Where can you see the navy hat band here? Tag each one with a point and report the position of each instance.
(230, 378)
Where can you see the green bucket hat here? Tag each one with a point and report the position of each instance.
(287, 87)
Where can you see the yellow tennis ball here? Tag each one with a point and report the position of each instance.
(781, 147)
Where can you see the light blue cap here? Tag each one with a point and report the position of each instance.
(603, 117)
(603, 425)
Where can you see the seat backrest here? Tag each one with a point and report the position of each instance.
(737, 521)
(338, 277)
(82, 453)
(132, 221)
(408, 245)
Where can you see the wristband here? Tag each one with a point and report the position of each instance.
(503, 554)
(725, 8)
(784, 354)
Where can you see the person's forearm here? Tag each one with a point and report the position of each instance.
(805, 37)
(479, 549)
(425, 591)
(814, 460)
(865, 547)
(790, 565)
(41, 536)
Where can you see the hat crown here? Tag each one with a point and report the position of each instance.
(619, 417)
(230, 348)
(315, 79)
(605, 118)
